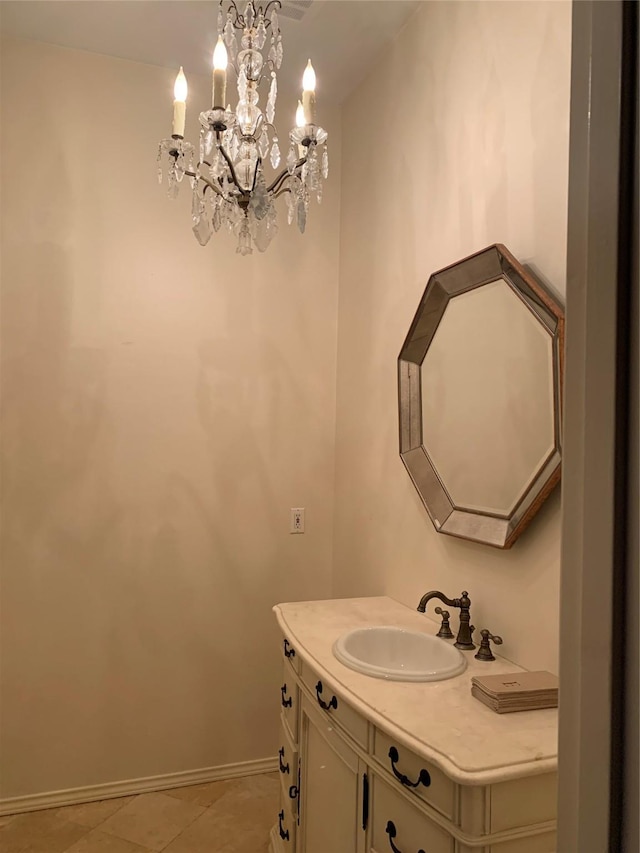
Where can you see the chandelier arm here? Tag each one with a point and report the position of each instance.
(271, 3)
(283, 190)
(209, 185)
(284, 174)
(279, 184)
(274, 185)
(255, 174)
(234, 177)
(239, 21)
(205, 181)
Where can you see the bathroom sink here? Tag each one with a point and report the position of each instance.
(398, 655)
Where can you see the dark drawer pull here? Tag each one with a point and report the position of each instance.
(288, 651)
(391, 832)
(284, 833)
(326, 706)
(293, 792)
(286, 703)
(284, 768)
(423, 778)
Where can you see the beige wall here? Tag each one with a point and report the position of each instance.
(467, 116)
(165, 405)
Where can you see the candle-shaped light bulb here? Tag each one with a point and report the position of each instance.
(220, 56)
(309, 94)
(180, 87)
(300, 119)
(309, 78)
(219, 75)
(179, 103)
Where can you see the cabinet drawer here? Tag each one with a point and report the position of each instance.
(289, 698)
(283, 834)
(288, 767)
(397, 825)
(416, 775)
(334, 706)
(290, 655)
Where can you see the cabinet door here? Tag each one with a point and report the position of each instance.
(331, 788)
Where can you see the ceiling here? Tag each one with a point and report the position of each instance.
(344, 37)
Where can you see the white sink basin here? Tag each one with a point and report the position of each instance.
(399, 655)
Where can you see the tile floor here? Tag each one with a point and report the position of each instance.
(233, 816)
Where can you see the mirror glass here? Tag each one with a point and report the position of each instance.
(487, 398)
(479, 393)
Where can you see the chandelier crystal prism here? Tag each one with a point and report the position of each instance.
(227, 174)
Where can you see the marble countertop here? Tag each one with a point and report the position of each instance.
(439, 721)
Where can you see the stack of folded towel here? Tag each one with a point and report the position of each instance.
(516, 691)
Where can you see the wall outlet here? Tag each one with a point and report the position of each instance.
(296, 524)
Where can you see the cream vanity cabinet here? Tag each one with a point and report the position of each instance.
(348, 785)
(331, 778)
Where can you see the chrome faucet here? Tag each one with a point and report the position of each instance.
(463, 640)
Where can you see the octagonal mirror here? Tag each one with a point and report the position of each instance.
(480, 379)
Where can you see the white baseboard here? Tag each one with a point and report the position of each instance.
(109, 790)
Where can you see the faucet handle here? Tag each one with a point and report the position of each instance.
(484, 652)
(445, 629)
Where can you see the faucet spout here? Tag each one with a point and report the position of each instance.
(429, 596)
(463, 640)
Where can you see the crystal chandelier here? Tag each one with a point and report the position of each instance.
(228, 181)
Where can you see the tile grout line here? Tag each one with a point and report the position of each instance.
(204, 809)
(90, 829)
